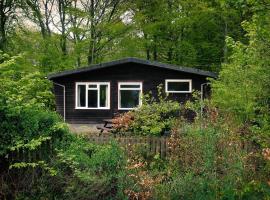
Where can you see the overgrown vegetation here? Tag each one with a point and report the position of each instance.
(213, 163)
(205, 163)
(155, 117)
(225, 154)
(39, 157)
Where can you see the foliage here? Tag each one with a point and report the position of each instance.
(102, 159)
(30, 123)
(224, 155)
(153, 117)
(28, 139)
(98, 168)
(41, 164)
(243, 84)
(68, 34)
(37, 149)
(188, 32)
(123, 122)
(22, 95)
(41, 53)
(211, 163)
(19, 87)
(40, 146)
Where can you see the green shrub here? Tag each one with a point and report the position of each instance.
(28, 142)
(28, 124)
(210, 163)
(153, 118)
(155, 115)
(89, 171)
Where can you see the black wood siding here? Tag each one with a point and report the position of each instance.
(150, 76)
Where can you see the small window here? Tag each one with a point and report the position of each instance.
(129, 95)
(92, 95)
(178, 86)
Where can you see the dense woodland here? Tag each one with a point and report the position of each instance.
(223, 154)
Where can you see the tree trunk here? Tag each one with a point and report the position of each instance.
(225, 49)
(3, 38)
(170, 34)
(37, 12)
(148, 54)
(169, 54)
(155, 54)
(91, 50)
(78, 61)
(62, 5)
(47, 16)
(3, 19)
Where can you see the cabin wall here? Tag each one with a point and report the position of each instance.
(59, 99)
(150, 76)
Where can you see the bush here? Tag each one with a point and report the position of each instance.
(212, 163)
(154, 117)
(39, 158)
(89, 171)
(28, 124)
(73, 169)
(28, 142)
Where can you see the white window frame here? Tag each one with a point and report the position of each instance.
(178, 80)
(129, 83)
(98, 95)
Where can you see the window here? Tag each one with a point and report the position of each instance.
(129, 95)
(93, 95)
(178, 85)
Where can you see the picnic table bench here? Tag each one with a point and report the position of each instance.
(107, 126)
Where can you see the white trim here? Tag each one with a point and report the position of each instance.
(108, 96)
(129, 83)
(178, 80)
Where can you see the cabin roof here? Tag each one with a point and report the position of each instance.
(133, 60)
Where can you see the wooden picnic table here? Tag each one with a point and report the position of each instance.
(107, 126)
(107, 122)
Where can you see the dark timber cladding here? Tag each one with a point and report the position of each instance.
(151, 74)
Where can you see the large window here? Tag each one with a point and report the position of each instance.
(93, 95)
(178, 85)
(129, 95)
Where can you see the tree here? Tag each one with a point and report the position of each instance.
(190, 33)
(62, 26)
(77, 30)
(7, 17)
(103, 25)
(40, 12)
(243, 85)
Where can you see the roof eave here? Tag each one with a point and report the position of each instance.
(133, 60)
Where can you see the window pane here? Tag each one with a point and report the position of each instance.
(92, 86)
(81, 96)
(130, 86)
(178, 86)
(103, 95)
(129, 98)
(92, 98)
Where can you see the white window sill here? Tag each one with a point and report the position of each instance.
(169, 92)
(92, 108)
